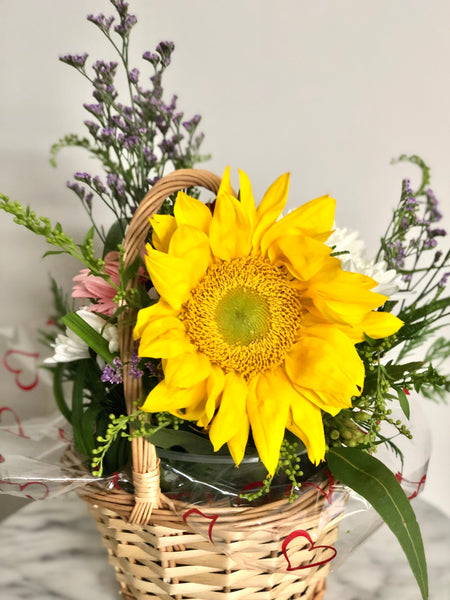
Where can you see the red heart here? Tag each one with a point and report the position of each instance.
(213, 519)
(312, 546)
(41, 495)
(20, 432)
(419, 484)
(329, 494)
(21, 379)
(2, 458)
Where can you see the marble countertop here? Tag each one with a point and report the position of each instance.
(51, 550)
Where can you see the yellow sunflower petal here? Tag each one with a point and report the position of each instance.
(168, 275)
(165, 338)
(268, 409)
(231, 228)
(246, 197)
(306, 423)
(270, 208)
(193, 246)
(380, 324)
(190, 211)
(238, 443)
(214, 388)
(225, 184)
(342, 296)
(314, 219)
(176, 273)
(187, 370)
(163, 229)
(303, 256)
(326, 361)
(147, 315)
(232, 411)
(163, 398)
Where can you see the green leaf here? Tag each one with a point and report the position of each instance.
(376, 483)
(396, 372)
(80, 435)
(58, 391)
(114, 236)
(404, 403)
(194, 444)
(88, 334)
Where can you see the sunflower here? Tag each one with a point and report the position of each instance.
(257, 322)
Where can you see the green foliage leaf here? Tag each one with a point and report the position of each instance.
(404, 403)
(88, 334)
(115, 236)
(398, 372)
(376, 483)
(192, 443)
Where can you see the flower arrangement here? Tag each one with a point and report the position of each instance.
(256, 332)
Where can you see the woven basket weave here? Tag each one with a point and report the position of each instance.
(155, 553)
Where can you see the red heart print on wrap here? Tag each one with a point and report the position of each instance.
(331, 489)
(21, 363)
(419, 484)
(36, 490)
(312, 546)
(2, 458)
(16, 427)
(196, 511)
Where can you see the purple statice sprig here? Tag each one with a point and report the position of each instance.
(413, 245)
(113, 374)
(412, 234)
(135, 136)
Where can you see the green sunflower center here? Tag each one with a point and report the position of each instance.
(243, 315)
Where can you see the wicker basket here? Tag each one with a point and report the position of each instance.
(160, 554)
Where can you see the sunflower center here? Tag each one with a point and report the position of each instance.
(243, 315)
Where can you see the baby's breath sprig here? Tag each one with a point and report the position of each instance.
(135, 425)
(289, 465)
(54, 235)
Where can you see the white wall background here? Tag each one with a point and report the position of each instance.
(330, 91)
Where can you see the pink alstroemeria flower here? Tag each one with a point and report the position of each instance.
(96, 289)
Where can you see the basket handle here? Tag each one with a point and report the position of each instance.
(145, 460)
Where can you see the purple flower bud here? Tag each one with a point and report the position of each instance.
(133, 75)
(121, 7)
(113, 374)
(437, 232)
(74, 60)
(444, 279)
(165, 49)
(191, 125)
(152, 369)
(78, 189)
(152, 58)
(88, 200)
(134, 371)
(149, 156)
(95, 109)
(84, 177)
(430, 243)
(98, 185)
(92, 127)
(104, 23)
(126, 25)
(131, 142)
(116, 184)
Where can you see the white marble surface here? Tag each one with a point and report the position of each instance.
(51, 550)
